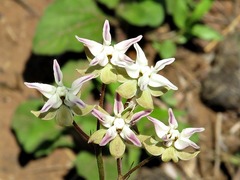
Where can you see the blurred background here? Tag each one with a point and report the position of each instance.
(203, 36)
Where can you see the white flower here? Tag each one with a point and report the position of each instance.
(171, 136)
(147, 76)
(60, 97)
(104, 52)
(117, 124)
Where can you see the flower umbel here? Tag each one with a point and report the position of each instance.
(103, 53)
(118, 125)
(171, 136)
(60, 98)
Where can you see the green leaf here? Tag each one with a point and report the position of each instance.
(64, 19)
(143, 13)
(202, 7)
(169, 99)
(166, 49)
(86, 166)
(205, 32)
(32, 132)
(110, 4)
(180, 13)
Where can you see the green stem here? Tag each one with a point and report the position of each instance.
(137, 167)
(98, 149)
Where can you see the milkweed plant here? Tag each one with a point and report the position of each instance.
(138, 84)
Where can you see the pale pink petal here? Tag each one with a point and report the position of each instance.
(123, 46)
(137, 116)
(141, 58)
(71, 100)
(172, 120)
(94, 47)
(162, 63)
(77, 84)
(110, 135)
(188, 132)
(118, 105)
(156, 80)
(58, 76)
(143, 82)
(46, 89)
(129, 135)
(54, 102)
(106, 33)
(160, 128)
(182, 143)
(105, 119)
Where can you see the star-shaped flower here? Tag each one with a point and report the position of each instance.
(171, 136)
(104, 57)
(60, 98)
(145, 79)
(118, 127)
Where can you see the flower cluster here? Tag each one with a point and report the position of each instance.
(139, 83)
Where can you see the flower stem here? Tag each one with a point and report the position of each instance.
(119, 168)
(80, 131)
(98, 149)
(137, 167)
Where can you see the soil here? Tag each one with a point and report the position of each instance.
(219, 142)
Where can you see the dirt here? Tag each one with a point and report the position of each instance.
(219, 142)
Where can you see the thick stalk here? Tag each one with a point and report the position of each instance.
(98, 149)
(119, 168)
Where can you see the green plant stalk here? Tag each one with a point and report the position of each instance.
(143, 162)
(98, 149)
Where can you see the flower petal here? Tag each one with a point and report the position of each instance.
(64, 116)
(128, 89)
(94, 47)
(162, 63)
(137, 116)
(110, 135)
(77, 84)
(54, 102)
(133, 70)
(46, 89)
(141, 58)
(143, 82)
(172, 120)
(128, 134)
(118, 105)
(160, 128)
(182, 143)
(106, 33)
(123, 46)
(188, 132)
(71, 100)
(156, 80)
(105, 119)
(145, 100)
(58, 76)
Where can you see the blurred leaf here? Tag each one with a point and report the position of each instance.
(166, 49)
(110, 4)
(89, 171)
(35, 135)
(205, 32)
(170, 6)
(180, 13)
(201, 8)
(144, 13)
(64, 19)
(169, 99)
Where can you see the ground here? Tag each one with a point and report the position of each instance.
(218, 143)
